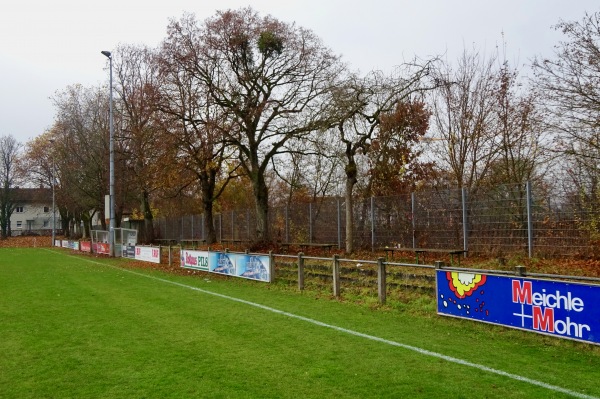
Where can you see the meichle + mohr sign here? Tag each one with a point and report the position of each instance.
(561, 309)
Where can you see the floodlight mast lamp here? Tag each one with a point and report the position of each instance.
(111, 233)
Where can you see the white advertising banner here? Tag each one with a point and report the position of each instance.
(147, 254)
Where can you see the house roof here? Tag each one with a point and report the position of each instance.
(32, 195)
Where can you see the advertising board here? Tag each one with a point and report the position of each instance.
(128, 251)
(148, 254)
(103, 248)
(255, 267)
(85, 246)
(557, 308)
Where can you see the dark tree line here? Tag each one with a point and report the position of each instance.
(246, 110)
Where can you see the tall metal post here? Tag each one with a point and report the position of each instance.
(53, 196)
(372, 224)
(111, 233)
(287, 224)
(529, 221)
(412, 217)
(465, 221)
(339, 223)
(310, 226)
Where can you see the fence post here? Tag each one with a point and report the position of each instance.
(465, 221)
(372, 224)
(520, 271)
(300, 271)
(232, 224)
(336, 275)
(169, 254)
(381, 277)
(529, 221)
(271, 267)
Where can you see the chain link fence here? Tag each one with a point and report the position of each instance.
(507, 219)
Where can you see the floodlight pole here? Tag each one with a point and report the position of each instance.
(53, 196)
(111, 233)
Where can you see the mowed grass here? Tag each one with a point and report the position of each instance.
(77, 327)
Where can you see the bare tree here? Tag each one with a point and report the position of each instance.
(311, 168)
(196, 127)
(271, 79)
(464, 120)
(81, 153)
(359, 106)
(142, 142)
(519, 132)
(569, 84)
(9, 178)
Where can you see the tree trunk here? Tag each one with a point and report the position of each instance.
(64, 223)
(147, 233)
(209, 225)
(351, 173)
(261, 195)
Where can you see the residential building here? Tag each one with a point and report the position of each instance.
(33, 212)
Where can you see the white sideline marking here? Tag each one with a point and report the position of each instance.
(362, 335)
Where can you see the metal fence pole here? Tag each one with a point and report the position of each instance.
(372, 224)
(529, 220)
(232, 224)
(339, 223)
(465, 221)
(220, 227)
(412, 217)
(287, 224)
(310, 227)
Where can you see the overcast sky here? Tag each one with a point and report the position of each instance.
(46, 46)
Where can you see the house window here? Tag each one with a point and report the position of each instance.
(19, 224)
(19, 209)
(46, 223)
(46, 209)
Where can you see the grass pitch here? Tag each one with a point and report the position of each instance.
(74, 327)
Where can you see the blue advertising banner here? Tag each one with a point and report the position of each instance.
(254, 267)
(566, 310)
